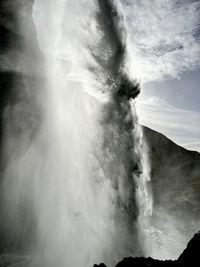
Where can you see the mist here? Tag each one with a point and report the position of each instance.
(71, 159)
(76, 184)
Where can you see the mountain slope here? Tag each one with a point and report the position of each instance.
(174, 168)
(175, 183)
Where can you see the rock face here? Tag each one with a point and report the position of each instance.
(175, 184)
(20, 63)
(191, 254)
(20, 59)
(189, 257)
(176, 171)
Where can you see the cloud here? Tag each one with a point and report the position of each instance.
(178, 124)
(162, 37)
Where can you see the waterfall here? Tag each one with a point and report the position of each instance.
(144, 196)
(76, 176)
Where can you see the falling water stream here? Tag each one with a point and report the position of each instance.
(79, 191)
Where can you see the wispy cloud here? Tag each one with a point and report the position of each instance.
(162, 37)
(178, 124)
(163, 42)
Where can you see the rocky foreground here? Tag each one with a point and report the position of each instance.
(189, 257)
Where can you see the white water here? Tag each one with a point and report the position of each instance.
(64, 178)
(144, 194)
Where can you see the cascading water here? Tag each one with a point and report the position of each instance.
(144, 196)
(73, 192)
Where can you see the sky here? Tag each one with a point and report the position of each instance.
(162, 40)
(163, 53)
(172, 107)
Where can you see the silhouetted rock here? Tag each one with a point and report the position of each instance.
(192, 253)
(100, 265)
(144, 262)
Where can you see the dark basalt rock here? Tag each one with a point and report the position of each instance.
(100, 265)
(144, 262)
(191, 253)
